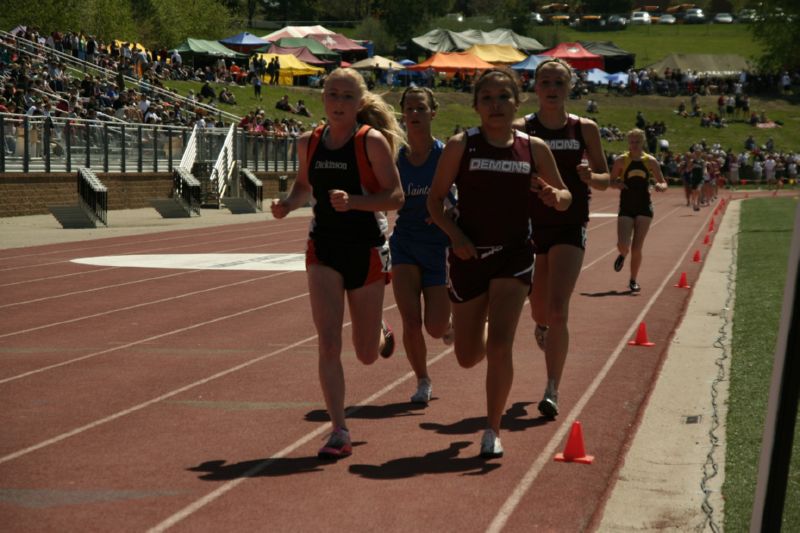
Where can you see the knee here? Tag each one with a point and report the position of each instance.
(436, 329)
(330, 347)
(466, 357)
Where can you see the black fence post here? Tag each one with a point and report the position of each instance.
(155, 148)
(26, 153)
(88, 139)
(139, 148)
(105, 147)
(123, 145)
(68, 141)
(170, 133)
(46, 126)
(3, 151)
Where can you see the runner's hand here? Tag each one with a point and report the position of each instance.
(547, 193)
(340, 200)
(463, 248)
(279, 208)
(585, 173)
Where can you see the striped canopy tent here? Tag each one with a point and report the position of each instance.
(291, 67)
(294, 32)
(313, 46)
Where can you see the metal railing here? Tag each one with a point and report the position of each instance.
(187, 189)
(225, 165)
(253, 189)
(44, 144)
(93, 195)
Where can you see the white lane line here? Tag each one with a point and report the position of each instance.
(261, 466)
(154, 337)
(545, 457)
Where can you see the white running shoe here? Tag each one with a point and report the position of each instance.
(490, 445)
(424, 391)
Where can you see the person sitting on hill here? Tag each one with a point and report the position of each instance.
(301, 109)
(284, 105)
(206, 91)
(227, 97)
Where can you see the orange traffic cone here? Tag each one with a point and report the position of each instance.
(707, 239)
(683, 284)
(641, 337)
(711, 225)
(574, 451)
(696, 257)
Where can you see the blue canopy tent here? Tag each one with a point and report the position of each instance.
(244, 42)
(406, 62)
(530, 63)
(597, 76)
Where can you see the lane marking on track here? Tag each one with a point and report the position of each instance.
(252, 262)
(160, 335)
(530, 476)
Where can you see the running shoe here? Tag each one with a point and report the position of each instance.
(490, 445)
(540, 333)
(549, 405)
(634, 286)
(619, 262)
(338, 445)
(388, 340)
(424, 391)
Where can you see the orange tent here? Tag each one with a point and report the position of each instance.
(452, 62)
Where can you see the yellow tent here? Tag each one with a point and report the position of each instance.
(291, 67)
(497, 53)
(136, 46)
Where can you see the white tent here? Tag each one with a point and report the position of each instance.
(296, 32)
(597, 75)
(377, 62)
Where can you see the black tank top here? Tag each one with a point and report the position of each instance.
(493, 186)
(338, 169)
(568, 147)
(637, 182)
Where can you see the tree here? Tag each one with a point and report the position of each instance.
(169, 22)
(776, 30)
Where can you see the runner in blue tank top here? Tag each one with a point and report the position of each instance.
(491, 256)
(347, 197)
(631, 174)
(560, 238)
(419, 267)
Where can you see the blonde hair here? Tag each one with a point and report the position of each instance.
(636, 132)
(374, 110)
(560, 62)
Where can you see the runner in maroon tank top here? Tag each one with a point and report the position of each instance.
(491, 258)
(560, 238)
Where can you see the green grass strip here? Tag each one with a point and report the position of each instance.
(763, 250)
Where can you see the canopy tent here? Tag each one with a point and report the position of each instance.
(530, 63)
(294, 32)
(337, 43)
(243, 42)
(440, 40)
(377, 62)
(576, 55)
(618, 78)
(597, 76)
(703, 64)
(452, 62)
(496, 53)
(291, 67)
(615, 58)
(302, 53)
(313, 46)
(407, 62)
(199, 52)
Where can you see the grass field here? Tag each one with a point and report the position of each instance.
(765, 234)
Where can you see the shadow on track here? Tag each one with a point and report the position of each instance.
(444, 461)
(512, 421)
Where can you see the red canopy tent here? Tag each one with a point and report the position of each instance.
(576, 55)
(337, 42)
(301, 53)
(452, 62)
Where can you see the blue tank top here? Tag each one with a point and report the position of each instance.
(412, 218)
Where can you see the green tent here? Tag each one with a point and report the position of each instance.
(319, 50)
(202, 52)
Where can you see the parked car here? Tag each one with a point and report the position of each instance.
(666, 18)
(640, 17)
(536, 18)
(694, 15)
(722, 18)
(616, 22)
(747, 16)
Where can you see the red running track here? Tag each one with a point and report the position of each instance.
(152, 399)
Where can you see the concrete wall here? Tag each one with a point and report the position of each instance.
(30, 194)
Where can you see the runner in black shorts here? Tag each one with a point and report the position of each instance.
(490, 258)
(560, 238)
(349, 169)
(631, 175)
